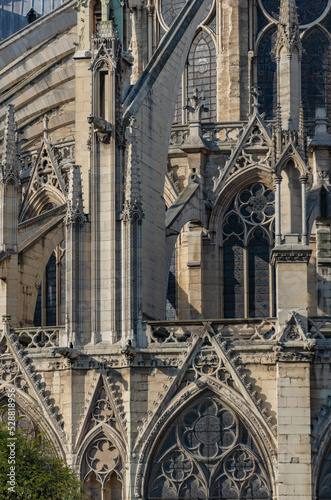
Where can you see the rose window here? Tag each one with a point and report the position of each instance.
(257, 204)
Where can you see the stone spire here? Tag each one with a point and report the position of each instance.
(133, 198)
(75, 208)
(288, 26)
(9, 158)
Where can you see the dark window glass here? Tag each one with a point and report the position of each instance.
(37, 312)
(171, 292)
(202, 72)
(63, 289)
(170, 9)
(267, 73)
(51, 291)
(308, 10)
(233, 274)
(258, 269)
(316, 73)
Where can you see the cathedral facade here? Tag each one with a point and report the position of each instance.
(165, 244)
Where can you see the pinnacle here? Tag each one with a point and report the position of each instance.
(9, 143)
(288, 15)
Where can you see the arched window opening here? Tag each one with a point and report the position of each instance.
(324, 478)
(51, 300)
(259, 274)
(171, 291)
(102, 471)
(23, 422)
(316, 73)
(207, 452)
(201, 72)
(170, 10)
(267, 73)
(247, 285)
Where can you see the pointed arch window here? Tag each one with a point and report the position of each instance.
(267, 73)
(247, 241)
(102, 470)
(51, 300)
(207, 452)
(199, 73)
(316, 73)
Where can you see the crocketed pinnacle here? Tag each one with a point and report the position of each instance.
(9, 158)
(288, 27)
(75, 209)
(133, 199)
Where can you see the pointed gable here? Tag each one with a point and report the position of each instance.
(46, 186)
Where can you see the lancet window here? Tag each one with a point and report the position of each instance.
(171, 291)
(199, 73)
(267, 73)
(50, 306)
(102, 470)
(247, 234)
(207, 452)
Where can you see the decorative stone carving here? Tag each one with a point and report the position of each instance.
(101, 460)
(207, 451)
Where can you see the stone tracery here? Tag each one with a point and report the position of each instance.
(207, 452)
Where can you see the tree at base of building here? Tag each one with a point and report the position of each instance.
(30, 471)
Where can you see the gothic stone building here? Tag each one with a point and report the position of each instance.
(165, 246)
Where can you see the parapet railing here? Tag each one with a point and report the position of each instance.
(178, 332)
(38, 337)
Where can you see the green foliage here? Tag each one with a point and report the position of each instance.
(39, 475)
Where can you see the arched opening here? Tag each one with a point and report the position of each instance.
(171, 290)
(207, 452)
(102, 470)
(199, 73)
(247, 236)
(316, 68)
(51, 300)
(267, 73)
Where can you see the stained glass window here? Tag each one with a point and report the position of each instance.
(258, 269)
(324, 481)
(316, 73)
(202, 72)
(171, 292)
(233, 272)
(178, 107)
(170, 9)
(247, 233)
(308, 10)
(207, 436)
(51, 300)
(267, 73)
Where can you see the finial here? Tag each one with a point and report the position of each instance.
(255, 94)
(196, 106)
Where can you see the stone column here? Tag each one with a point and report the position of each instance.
(293, 426)
(291, 262)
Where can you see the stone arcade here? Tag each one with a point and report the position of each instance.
(165, 245)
